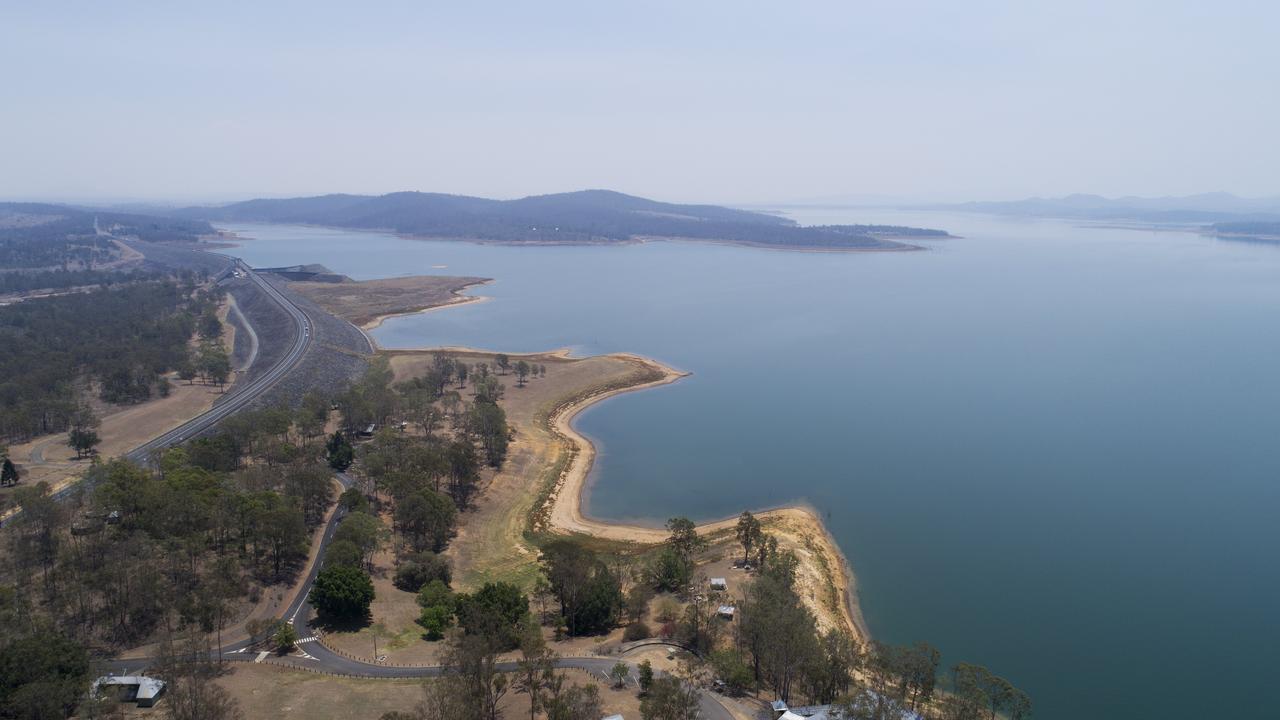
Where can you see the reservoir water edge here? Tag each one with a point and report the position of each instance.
(1047, 449)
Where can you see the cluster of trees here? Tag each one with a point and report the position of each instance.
(588, 591)
(343, 590)
(43, 236)
(120, 338)
(493, 620)
(37, 235)
(268, 437)
(159, 551)
(8, 471)
(496, 618)
(185, 537)
(434, 404)
(671, 570)
(20, 282)
(522, 369)
(978, 693)
(43, 673)
(776, 644)
(427, 467)
(210, 363)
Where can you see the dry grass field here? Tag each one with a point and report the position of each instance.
(366, 303)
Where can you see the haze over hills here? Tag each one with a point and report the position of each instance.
(1201, 208)
(587, 216)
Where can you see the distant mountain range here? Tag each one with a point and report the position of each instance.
(588, 216)
(1205, 208)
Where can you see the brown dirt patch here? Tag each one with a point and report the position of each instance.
(266, 690)
(48, 458)
(367, 303)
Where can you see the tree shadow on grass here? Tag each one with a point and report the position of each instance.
(342, 624)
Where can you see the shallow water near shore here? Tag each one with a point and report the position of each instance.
(1045, 449)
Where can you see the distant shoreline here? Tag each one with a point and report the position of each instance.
(800, 525)
(894, 244)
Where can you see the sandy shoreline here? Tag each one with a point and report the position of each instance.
(798, 527)
(566, 515)
(459, 300)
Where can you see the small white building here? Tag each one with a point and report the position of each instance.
(726, 611)
(719, 584)
(140, 688)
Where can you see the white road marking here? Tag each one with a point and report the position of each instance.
(262, 656)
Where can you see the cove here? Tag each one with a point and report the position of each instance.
(1044, 448)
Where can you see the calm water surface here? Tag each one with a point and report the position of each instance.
(1046, 449)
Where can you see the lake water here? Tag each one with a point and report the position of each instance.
(1046, 449)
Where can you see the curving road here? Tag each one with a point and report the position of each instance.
(239, 396)
(235, 400)
(318, 657)
(299, 613)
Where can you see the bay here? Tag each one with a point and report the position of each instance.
(1046, 449)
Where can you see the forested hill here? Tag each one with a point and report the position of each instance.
(578, 217)
(39, 235)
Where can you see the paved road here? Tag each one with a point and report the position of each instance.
(240, 396)
(236, 399)
(299, 615)
(317, 656)
(299, 611)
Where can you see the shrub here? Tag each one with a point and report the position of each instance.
(420, 569)
(436, 594)
(435, 620)
(667, 610)
(731, 668)
(636, 631)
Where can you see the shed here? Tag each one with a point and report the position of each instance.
(145, 690)
(779, 706)
(613, 717)
(719, 584)
(726, 611)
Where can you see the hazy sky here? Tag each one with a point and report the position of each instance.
(712, 101)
